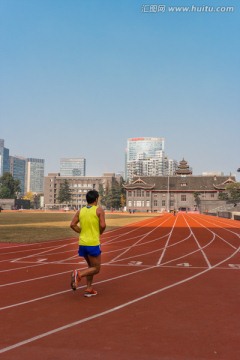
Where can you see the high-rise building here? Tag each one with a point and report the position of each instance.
(73, 167)
(171, 166)
(34, 175)
(145, 157)
(4, 158)
(18, 170)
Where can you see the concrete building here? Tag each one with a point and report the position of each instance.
(4, 158)
(166, 193)
(35, 175)
(144, 156)
(73, 167)
(182, 191)
(79, 186)
(18, 170)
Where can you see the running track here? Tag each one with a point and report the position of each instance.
(168, 289)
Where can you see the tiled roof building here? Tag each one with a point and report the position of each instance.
(183, 191)
(179, 192)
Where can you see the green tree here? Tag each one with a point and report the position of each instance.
(64, 195)
(223, 196)
(113, 197)
(197, 198)
(9, 187)
(233, 191)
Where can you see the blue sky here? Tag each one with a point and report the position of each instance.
(79, 77)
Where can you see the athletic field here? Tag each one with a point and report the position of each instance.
(168, 289)
(36, 226)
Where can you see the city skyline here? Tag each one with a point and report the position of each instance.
(80, 78)
(120, 171)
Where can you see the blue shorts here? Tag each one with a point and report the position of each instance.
(89, 250)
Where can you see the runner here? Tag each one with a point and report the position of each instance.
(90, 223)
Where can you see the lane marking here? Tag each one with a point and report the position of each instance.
(184, 264)
(235, 266)
(144, 236)
(201, 248)
(109, 311)
(166, 245)
(234, 247)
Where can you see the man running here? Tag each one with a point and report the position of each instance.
(90, 223)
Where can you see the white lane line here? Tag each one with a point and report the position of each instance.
(111, 310)
(80, 287)
(117, 240)
(143, 237)
(199, 246)
(226, 241)
(228, 223)
(166, 245)
(37, 278)
(39, 253)
(156, 251)
(114, 237)
(35, 243)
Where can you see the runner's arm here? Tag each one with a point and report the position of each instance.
(102, 223)
(74, 223)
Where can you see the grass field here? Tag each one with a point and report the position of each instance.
(29, 227)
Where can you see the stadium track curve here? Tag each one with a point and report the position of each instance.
(168, 289)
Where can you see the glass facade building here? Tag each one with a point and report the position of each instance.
(18, 170)
(35, 175)
(73, 167)
(144, 148)
(145, 157)
(4, 158)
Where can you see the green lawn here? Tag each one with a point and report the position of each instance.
(29, 227)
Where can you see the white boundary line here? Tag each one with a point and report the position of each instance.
(111, 310)
(166, 245)
(200, 248)
(143, 236)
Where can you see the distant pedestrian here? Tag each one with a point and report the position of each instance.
(90, 223)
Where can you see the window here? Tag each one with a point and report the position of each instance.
(129, 203)
(183, 197)
(212, 195)
(142, 193)
(139, 203)
(138, 193)
(163, 203)
(155, 203)
(147, 193)
(148, 203)
(129, 193)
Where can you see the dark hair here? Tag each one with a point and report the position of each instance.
(92, 196)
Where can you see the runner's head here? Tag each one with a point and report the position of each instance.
(92, 196)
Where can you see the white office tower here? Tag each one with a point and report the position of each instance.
(35, 175)
(171, 167)
(73, 167)
(144, 157)
(4, 158)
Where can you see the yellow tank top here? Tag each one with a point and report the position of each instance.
(89, 223)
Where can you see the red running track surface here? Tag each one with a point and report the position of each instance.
(168, 289)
